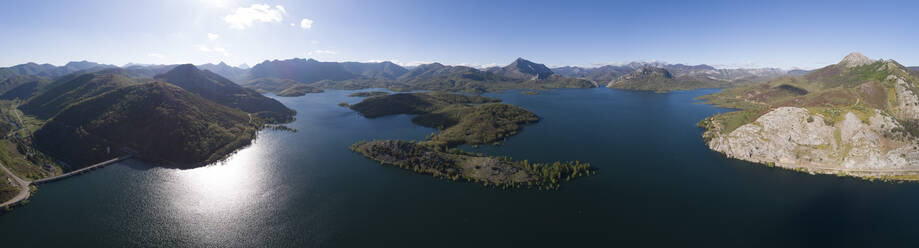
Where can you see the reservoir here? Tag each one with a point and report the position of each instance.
(657, 185)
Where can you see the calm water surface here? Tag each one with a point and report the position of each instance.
(658, 185)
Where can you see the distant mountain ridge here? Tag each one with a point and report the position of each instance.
(610, 73)
(520, 74)
(232, 73)
(524, 69)
(358, 75)
(48, 70)
(301, 70)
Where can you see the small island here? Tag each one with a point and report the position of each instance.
(529, 92)
(461, 119)
(368, 94)
(454, 164)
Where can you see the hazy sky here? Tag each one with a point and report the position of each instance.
(724, 34)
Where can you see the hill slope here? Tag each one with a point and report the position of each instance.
(187, 130)
(72, 90)
(223, 91)
(21, 86)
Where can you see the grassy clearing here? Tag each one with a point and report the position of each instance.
(15, 149)
(732, 120)
(20, 164)
(7, 190)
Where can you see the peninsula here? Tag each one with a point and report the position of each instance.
(461, 119)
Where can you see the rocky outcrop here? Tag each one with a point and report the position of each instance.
(798, 138)
(872, 134)
(524, 70)
(855, 59)
(908, 103)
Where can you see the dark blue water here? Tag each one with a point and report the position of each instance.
(658, 185)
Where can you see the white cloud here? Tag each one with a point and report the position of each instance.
(292, 24)
(211, 36)
(322, 52)
(245, 17)
(314, 42)
(157, 55)
(306, 23)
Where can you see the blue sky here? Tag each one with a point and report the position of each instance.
(783, 34)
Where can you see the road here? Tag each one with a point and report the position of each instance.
(24, 184)
(76, 172)
(23, 188)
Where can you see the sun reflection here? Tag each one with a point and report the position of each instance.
(220, 195)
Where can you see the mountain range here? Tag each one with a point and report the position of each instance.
(520, 73)
(609, 73)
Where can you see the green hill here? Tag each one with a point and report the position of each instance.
(867, 83)
(21, 86)
(223, 91)
(461, 119)
(162, 122)
(414, 103)
(62, 94)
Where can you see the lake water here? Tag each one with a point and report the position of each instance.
(658, 185)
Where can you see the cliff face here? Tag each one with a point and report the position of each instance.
(861, 118)
(796, 137)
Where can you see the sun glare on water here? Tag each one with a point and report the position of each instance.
(220, 195)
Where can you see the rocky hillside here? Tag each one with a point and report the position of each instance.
(609, 73)
(661, 80)
(525, 70)
(858, 117)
